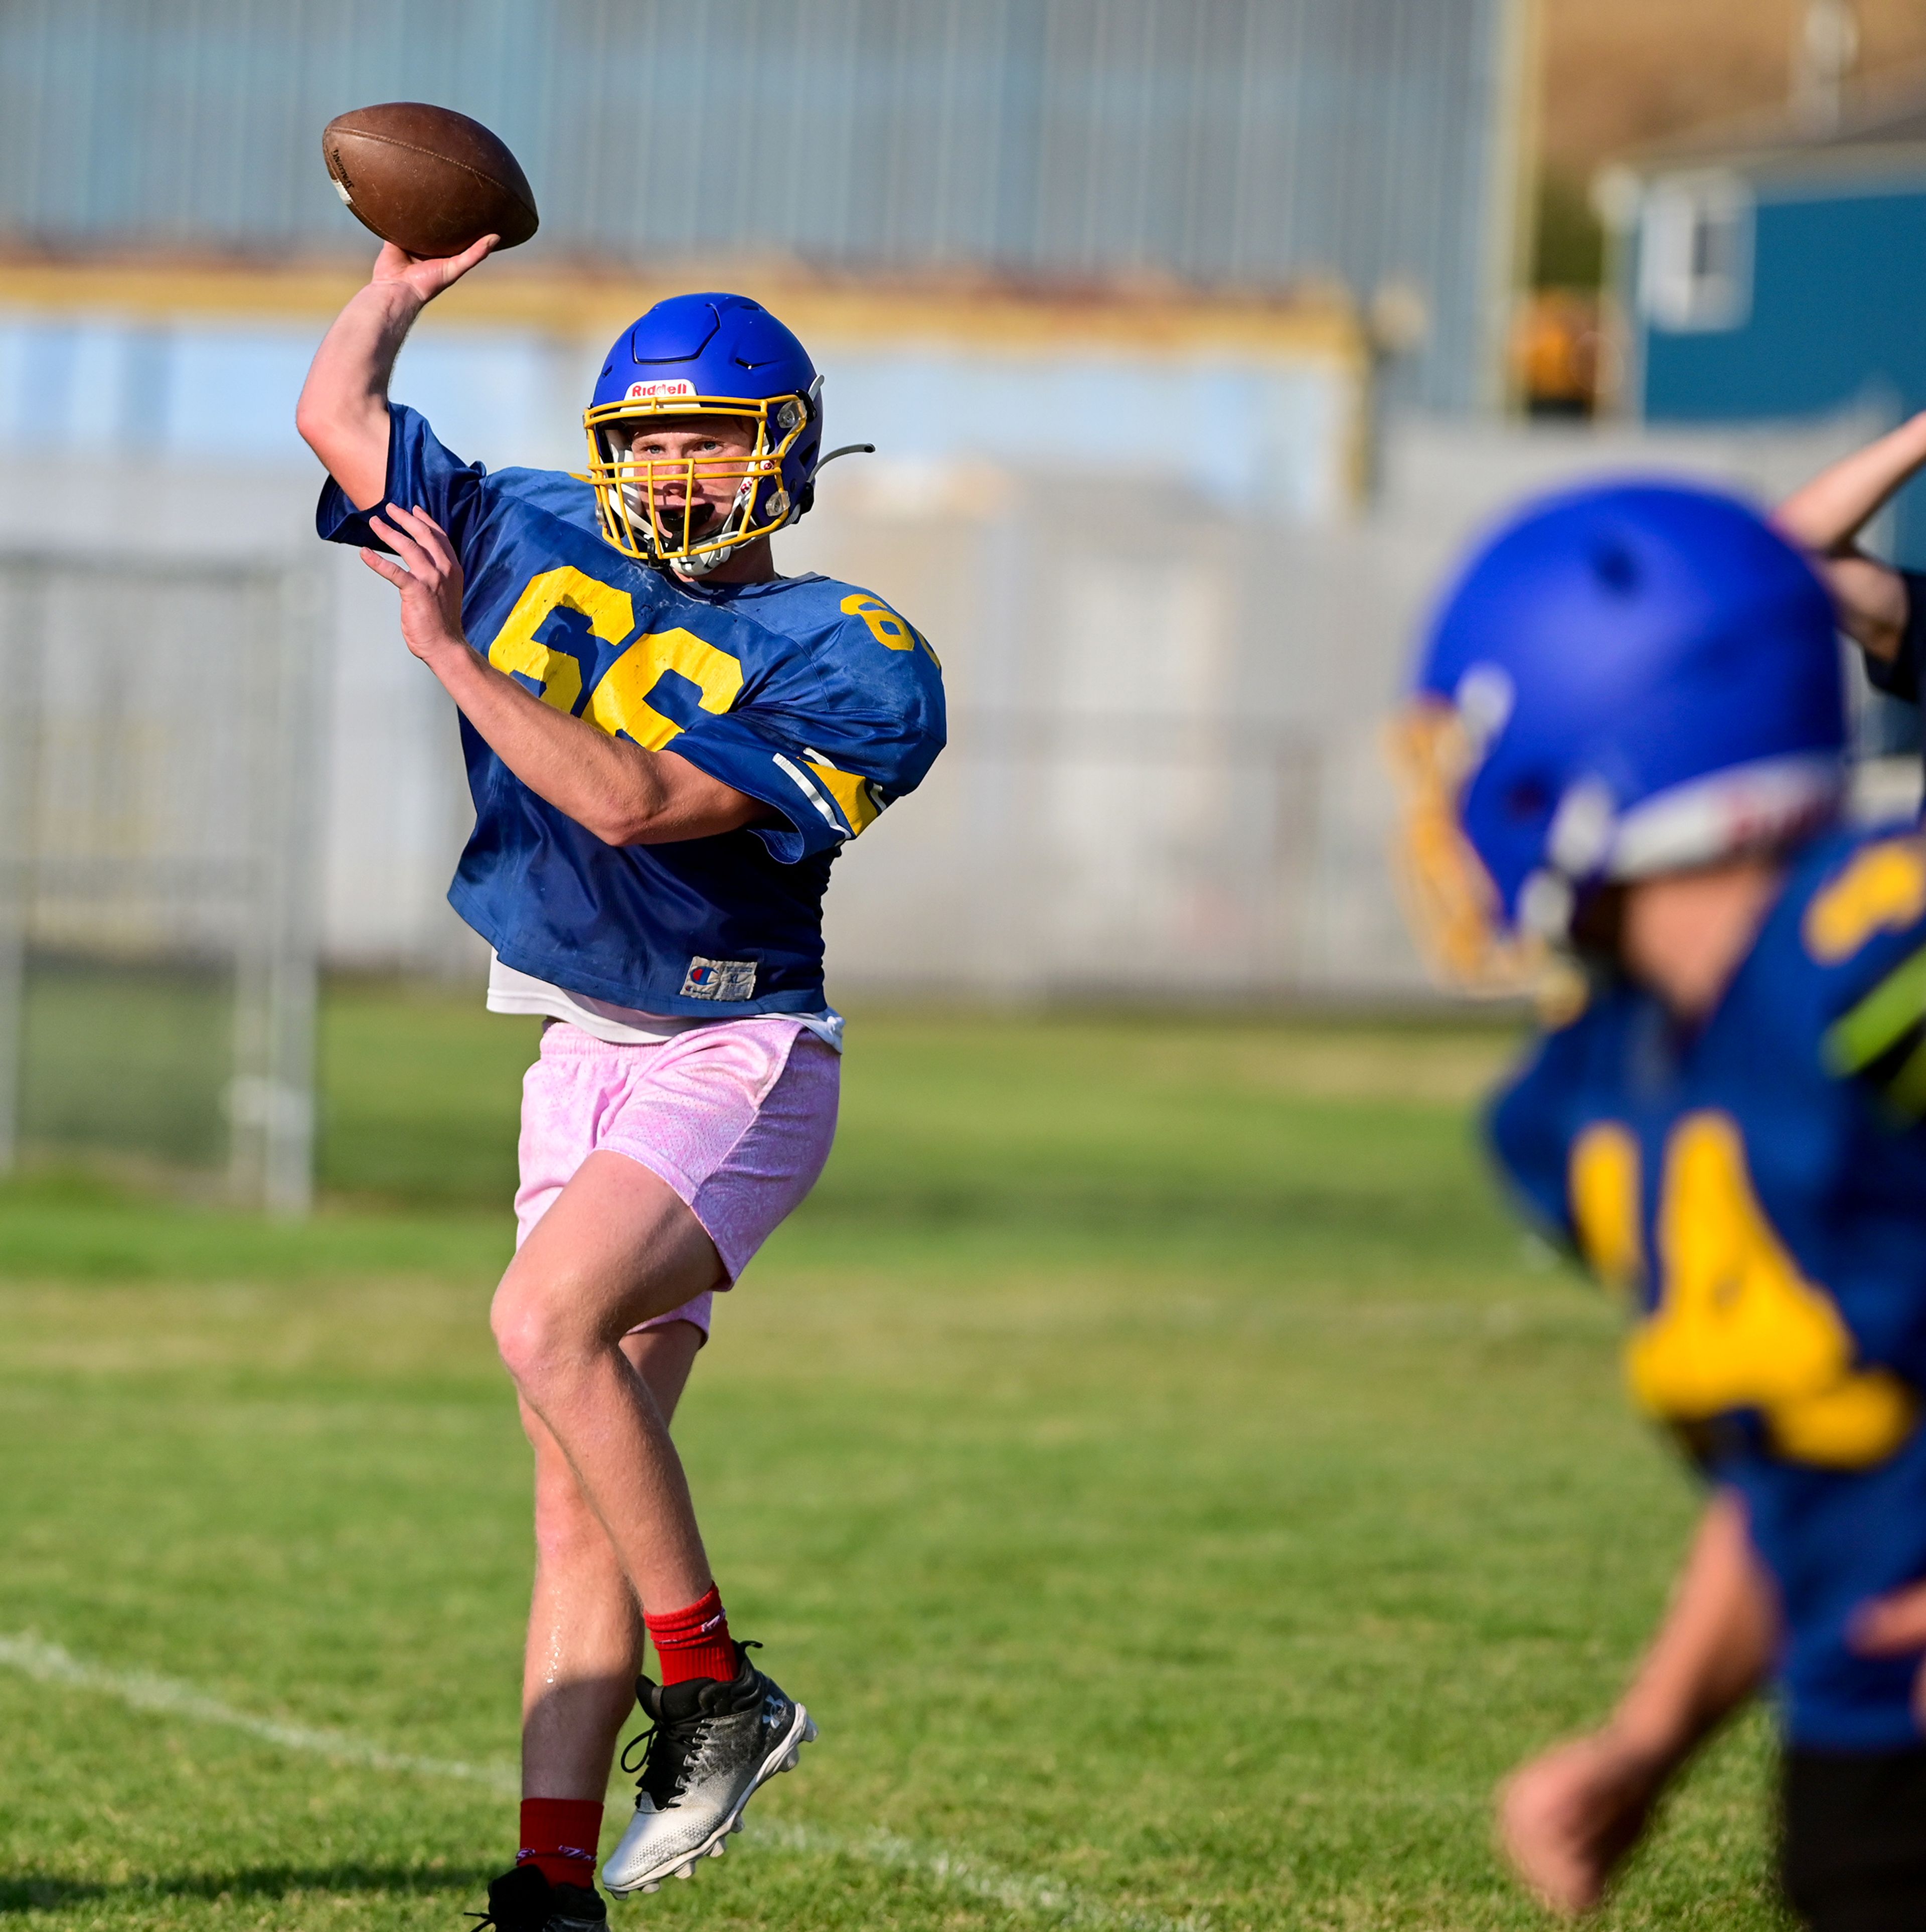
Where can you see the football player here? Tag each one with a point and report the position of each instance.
(1625, 749)
(667, 743)
(1881, 609)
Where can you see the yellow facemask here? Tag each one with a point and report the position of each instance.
(650, 507)
(1450, 902)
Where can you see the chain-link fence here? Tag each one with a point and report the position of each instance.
(159, 741)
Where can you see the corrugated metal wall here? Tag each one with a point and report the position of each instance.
(1253, 142)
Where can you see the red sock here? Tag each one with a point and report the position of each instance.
(560, 1834)
(694, 1642)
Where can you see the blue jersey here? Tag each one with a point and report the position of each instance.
(1756, 1190)
(810, 696)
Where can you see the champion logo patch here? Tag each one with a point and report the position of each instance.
(719, 980)
(678, 385)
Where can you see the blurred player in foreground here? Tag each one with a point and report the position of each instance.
(1625, 748)
(667, 745)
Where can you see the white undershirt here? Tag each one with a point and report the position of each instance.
(510, 991)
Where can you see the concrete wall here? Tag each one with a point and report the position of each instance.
(1165, 778)
(1281, 419)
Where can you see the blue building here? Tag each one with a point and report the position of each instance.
(1779, 276)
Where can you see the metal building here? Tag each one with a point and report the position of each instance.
(1255, 144)
(1779, 273)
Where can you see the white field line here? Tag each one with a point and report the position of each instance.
(48, 1663)
(1015, 1891)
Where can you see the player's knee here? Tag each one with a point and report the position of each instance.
(540, 1335)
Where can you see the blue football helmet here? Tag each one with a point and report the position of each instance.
(1627, 679)
(703, 355)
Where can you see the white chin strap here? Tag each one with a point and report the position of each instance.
(700, 565)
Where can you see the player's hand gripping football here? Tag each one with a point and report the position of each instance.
(429, 578)
(426, 276)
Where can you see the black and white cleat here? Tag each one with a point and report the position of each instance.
(713, 1745)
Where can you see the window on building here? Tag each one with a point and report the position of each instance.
(1695, 252)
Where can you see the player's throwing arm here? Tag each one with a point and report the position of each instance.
(668, 745)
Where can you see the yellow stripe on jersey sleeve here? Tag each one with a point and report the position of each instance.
(1883, 889)
(855, 797)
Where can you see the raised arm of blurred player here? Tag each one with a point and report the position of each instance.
(1826, 517)
(1567, 1817)
(343, 413)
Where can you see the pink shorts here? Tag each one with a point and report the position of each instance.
(736, 1117)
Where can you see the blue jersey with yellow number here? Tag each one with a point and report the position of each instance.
(1756, 1190)
(810, 696)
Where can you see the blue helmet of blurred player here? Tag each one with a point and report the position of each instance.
(1625, 680)
(720, 363)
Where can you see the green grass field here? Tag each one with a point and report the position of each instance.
(1175, 1487)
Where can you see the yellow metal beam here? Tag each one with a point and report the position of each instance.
(583, 303)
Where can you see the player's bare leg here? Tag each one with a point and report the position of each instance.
(585, 1625)
(619, 1247)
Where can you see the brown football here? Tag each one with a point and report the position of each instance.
(427, 179)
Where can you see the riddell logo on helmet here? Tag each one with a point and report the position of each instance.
(642, 392)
